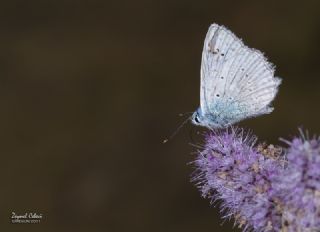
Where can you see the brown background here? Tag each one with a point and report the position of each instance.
(89, 89)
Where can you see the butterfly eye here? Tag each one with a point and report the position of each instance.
(196, 119)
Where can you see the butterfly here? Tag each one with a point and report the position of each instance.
(237, 82)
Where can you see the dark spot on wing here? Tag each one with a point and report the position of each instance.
(216, 51)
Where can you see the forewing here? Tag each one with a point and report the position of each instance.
(237, 79)
(220, 48)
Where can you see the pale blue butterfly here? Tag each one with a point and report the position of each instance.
(237, 82)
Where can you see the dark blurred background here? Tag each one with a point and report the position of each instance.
(89, 89)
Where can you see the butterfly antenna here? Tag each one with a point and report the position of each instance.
(186, 113)
(177, 130)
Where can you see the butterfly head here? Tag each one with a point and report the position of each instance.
(197, 117)
(208, 120)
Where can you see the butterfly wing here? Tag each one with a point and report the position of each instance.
(237, 82)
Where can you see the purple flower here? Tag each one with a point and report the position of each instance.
(298, 186)
(260, 186)
(231, 169)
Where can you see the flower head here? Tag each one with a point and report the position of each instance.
(298, 186)
(231, 169)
